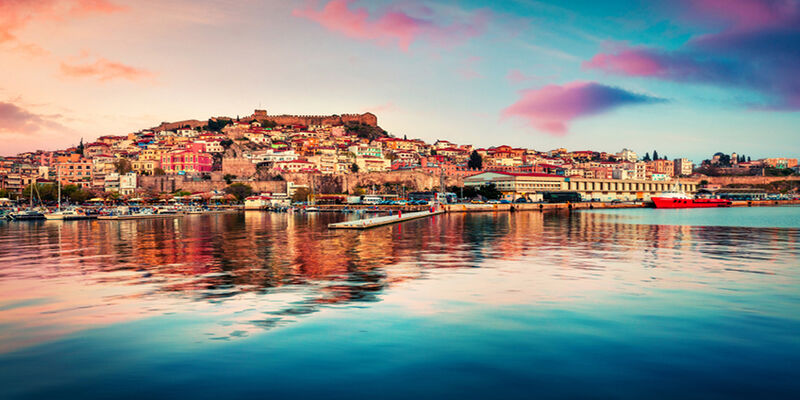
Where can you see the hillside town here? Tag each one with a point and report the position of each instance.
(263, 148)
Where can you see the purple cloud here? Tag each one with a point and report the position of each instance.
(394, 25)
(16, 120)
(553, 107)
(759, 49)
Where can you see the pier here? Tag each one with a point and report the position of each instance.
(367, 223)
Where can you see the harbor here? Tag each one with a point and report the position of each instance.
(257, 293)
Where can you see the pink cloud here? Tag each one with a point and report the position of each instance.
(16, 14)
(380, 108)
(393, 26)
(468, 70)
(104, 70)
(633, 62)
(552, 107)
(516, 77)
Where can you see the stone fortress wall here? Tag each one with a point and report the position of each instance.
(365, 118)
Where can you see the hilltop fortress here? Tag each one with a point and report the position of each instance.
(261, 115)
(366, 118)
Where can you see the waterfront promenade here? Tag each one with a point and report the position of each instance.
(589, 206)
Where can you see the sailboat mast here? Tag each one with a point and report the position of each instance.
(59, 188)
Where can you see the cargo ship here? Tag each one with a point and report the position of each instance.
(682, 200)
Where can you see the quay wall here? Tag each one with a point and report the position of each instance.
(748, 180)
(412, 180)
(588, 205)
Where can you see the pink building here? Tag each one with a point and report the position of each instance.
(186, 161)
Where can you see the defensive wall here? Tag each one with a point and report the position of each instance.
(365, 118)
(172, 183)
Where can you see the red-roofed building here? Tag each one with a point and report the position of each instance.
(295, 166)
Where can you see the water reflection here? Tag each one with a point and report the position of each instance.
(260, 270)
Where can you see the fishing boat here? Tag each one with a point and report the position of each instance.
(26, 215)
(679, 199)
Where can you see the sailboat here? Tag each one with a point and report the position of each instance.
(70, 214)
(30, 213)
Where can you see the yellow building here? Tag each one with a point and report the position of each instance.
(530, 186)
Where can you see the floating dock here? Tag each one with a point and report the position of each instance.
(367, 223)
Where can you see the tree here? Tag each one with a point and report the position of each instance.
(158, 172)
(655, 155)
(80, 147)
(365, 131)
(490, 191)
(239, 190)
(122, 165)
(113, 196)
(45, 192)
(216, 125)
(300, 194)
(229, 178)
(79, 196)
(646, 157)
(354, 168)
(4, 194)
(469, 192)
(475, 160)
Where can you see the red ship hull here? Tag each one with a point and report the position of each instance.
(666, 202)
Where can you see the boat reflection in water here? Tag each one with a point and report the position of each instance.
(498, 290)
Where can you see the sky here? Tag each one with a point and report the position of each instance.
(687, 78)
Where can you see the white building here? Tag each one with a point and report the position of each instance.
(127, 183)
(272, 156)
(628, 155)
(682, 167)
(212, 146)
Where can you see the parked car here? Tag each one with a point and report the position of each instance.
(493, 202)
(504, 201)
(476, 201)
(521, 200)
